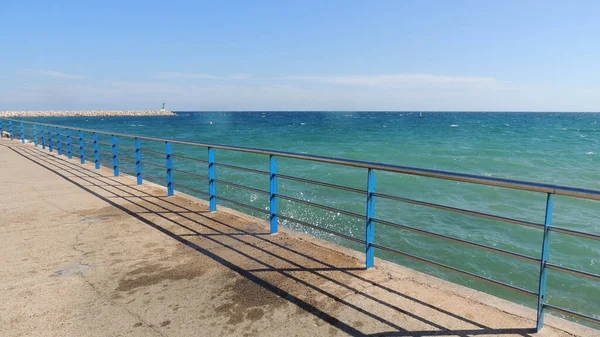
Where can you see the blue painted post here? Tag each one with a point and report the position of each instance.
(115, 152)
(49, 139)
(544, 260)
(1, 129)
(58, 142)
(42, 132)
(273, 199)
(22, 134)
(138, 160)
(35, 138)
(169, 157)
(69, 147)
(10, 130)
(212, 184)
(370, 232)
(96, 152)
(81, 148)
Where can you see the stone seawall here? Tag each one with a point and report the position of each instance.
(83, 113)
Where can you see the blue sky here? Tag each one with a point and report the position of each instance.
(301, 55)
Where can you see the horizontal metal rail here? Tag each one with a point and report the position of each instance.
(121, 146)
(193, 190)
(188, 158)
(573, 271)
(242, 168)
(447, 175)
(456, 270)
(460, 210)
(152, 151)
(575, 233)
(302, 223)
(105, 143)
(242, 186)
(572, 313)
(315, 182)
(243, 205)
(455, 240)
(327, 208)
(146, 176)
(127, 160)
(152, 164)
(190, 174)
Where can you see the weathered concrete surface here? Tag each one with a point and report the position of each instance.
(87, 254)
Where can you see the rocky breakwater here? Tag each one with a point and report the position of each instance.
(83, 113)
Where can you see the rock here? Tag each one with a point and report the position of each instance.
(84, 113)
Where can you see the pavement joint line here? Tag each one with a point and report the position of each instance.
(95, 289)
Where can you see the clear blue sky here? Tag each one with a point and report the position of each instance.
(301, 55)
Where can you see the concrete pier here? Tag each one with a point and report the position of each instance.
(88, 254)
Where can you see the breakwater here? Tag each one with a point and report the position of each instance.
(83, 113)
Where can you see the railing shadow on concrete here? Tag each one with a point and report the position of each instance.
(123, 196)
(66, 138)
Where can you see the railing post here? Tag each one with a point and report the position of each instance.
(69, 147)
(42, 132)
(370, 231)
(96, 151)
(22, 133)
(138, 160)
(212, 184)
(49, 130)
(58, 142)
(81, 148)
(169, 165)
(115, 152)
(1, 129)
(10, 130)
(35, 138)
(544, 260)
(273, 200)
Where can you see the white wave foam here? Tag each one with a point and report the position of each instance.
(590, 152)
(454, 125)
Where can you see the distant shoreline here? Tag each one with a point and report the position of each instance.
(84, 113)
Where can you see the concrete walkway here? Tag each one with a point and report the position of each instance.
(87, 254)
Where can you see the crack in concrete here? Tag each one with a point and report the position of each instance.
(98, 293)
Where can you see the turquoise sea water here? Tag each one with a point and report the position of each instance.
(555, 148)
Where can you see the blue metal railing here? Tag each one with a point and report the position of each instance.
(371, 196)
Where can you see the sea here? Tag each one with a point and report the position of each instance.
(551, 148)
